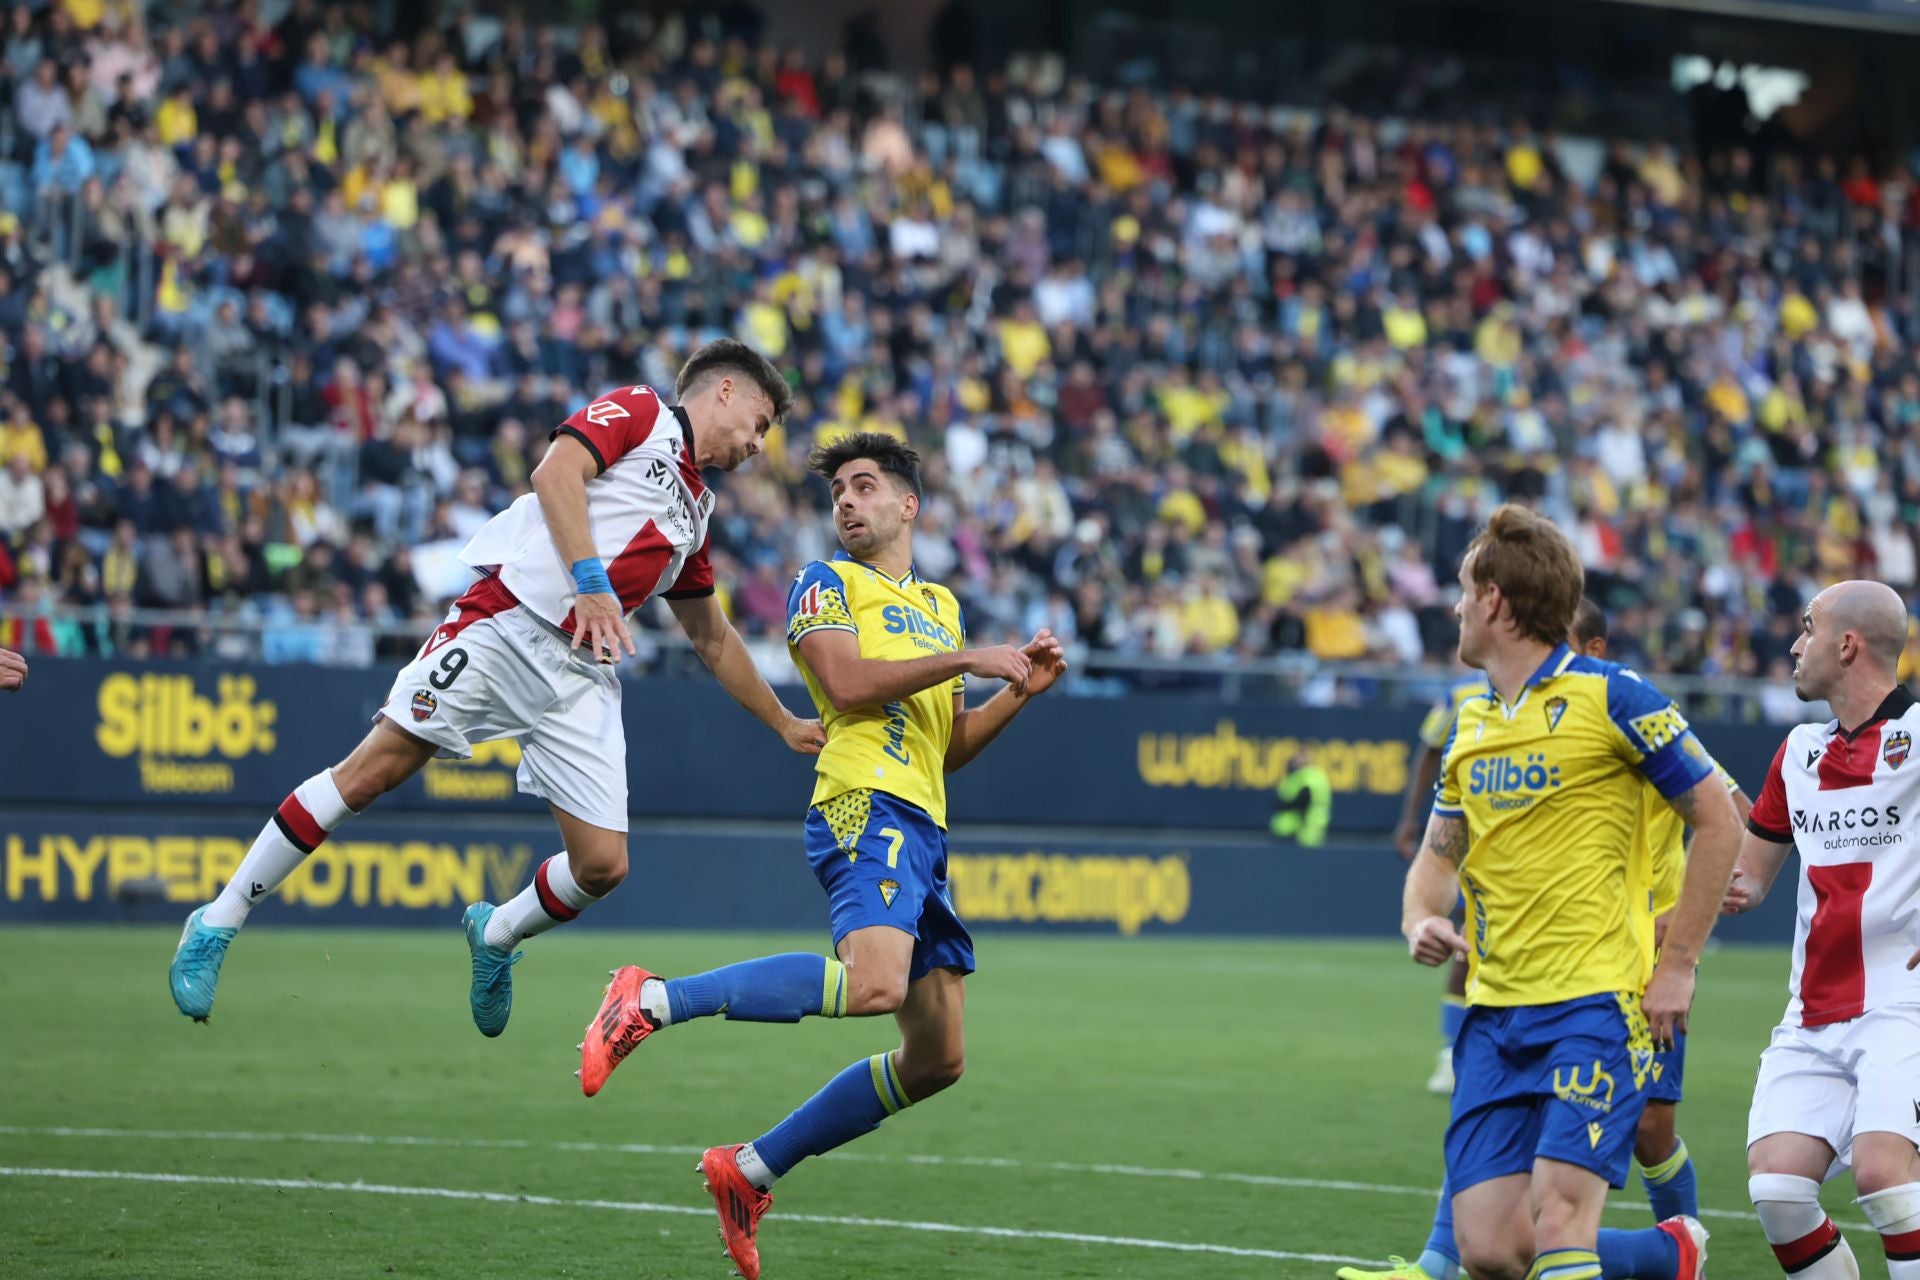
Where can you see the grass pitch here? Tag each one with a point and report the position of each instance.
(1145, 1107)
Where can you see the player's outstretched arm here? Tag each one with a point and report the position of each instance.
(973, 730)
(561, 483)
(852, 682)
(725, 654)
(1709, 810)
(1432, 887)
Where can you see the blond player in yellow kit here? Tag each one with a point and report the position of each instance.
(1538, 820)
(882, 653)
(1665, 1167)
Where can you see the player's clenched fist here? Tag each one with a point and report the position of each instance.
(13, 670)
(1000, 662)
(1434, 941)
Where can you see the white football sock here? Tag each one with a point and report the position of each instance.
(654, 1003)
(1895, 1214)
(300, 825)
(552, 898)
(754, 1168)
(1804, 1239)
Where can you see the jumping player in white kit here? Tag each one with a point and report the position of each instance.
(618, 515)
(1840, 1081)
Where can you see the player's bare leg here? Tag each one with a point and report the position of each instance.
(1785, 1171)
(1493, 1222)
(592, 865)
(385, 758)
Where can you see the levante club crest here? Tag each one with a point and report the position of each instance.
(1899, 747)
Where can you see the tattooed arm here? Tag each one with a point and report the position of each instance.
(1433, 885)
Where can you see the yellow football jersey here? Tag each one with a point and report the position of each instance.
(899, 748)
(1557, 877)
(1666, 837)
(1438, 724)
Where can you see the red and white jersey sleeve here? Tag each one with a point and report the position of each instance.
(647, 507)
(1848, 802)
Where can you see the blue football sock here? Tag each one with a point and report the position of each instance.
(1646, 1254)
(783, 988)
(1441, 1258)
(1453, 1012)
(1671, 1187)
(852, 1103)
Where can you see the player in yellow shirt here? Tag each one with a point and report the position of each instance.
(1538, 820)
(1434, 731)
(882, 655)
(1658, 1153)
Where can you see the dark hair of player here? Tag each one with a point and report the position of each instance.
(1589, 621)
(727, 355)
(889, 454)
(1530, 560)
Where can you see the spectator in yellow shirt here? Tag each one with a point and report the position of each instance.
(1024, 342)
(443, 92)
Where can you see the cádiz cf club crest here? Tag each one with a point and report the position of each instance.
(1556, 707)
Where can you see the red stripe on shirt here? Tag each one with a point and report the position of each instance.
(1849, 762)
(636, 570)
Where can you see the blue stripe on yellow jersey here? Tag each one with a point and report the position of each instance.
(899, 748)
(1557, 877)
(1435, 729)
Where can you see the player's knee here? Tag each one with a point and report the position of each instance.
(871, 993)
(928, 1074)
(1492, 1264)
(1882, 1166)
(600, 876)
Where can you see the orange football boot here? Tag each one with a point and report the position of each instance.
(741, 1205)
(619, 1026)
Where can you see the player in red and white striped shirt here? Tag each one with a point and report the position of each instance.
(618, 515)
(1840, 1080)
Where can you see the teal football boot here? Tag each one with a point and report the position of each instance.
(195, 971)
(491, 995)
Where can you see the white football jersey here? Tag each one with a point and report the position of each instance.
(648, 509)
(1849, 803)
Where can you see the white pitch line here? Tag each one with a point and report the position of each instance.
(653, 1149)
(643, 1206)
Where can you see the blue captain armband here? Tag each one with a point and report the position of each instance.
(590, 577)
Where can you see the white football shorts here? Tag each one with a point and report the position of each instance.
(1858, 1076)
(492, 670)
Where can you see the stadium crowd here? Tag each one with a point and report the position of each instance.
(1190, 376)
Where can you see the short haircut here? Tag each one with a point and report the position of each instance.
(728, 355)
(887, 452)
(1589, 621)
(1530, 560)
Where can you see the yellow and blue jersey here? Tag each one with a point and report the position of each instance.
(1666, 837)
(899, 748)
(1557, 877)
(1438, 724)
